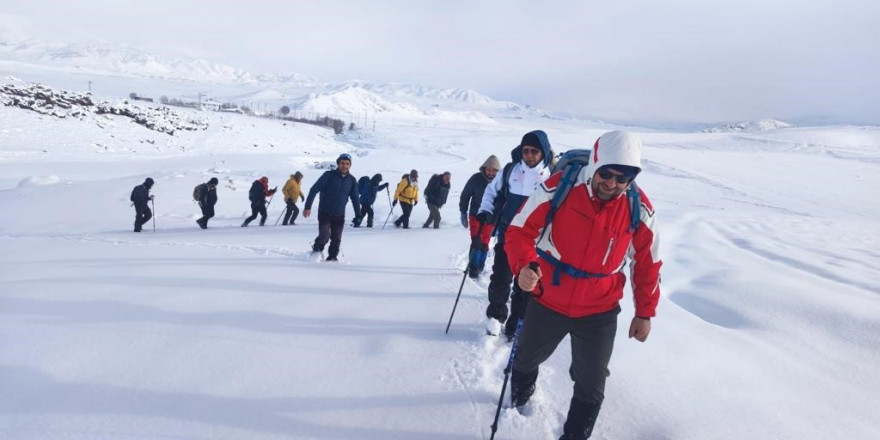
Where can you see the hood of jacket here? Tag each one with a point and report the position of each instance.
(615, 148)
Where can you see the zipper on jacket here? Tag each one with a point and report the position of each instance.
(608, 252)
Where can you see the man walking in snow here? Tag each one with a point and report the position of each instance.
(337, 187)
(436, 194)
(367, 190)
(579, 281)
(469, 205)
(207, 200)
(140, 197)
(257, 195)
(292, 191)
(501, 200)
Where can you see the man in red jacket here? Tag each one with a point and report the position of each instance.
(579, 280)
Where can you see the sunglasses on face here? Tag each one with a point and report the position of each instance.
(606, 174)
(530, 151)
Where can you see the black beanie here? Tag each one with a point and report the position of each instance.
(531, 139)
(149, 182)
(213, 181)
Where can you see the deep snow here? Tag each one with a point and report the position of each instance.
(766, 328)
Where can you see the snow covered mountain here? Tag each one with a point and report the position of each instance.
(761, 125)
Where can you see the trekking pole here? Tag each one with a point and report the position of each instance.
(154, 214)
(479, 231)
(389, 217)
(507, 370)
(279, 217)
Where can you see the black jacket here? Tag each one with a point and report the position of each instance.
(436, 192)
(472, 194)
(209, 196)
(140, 195)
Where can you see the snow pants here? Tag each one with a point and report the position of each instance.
(142, 214)
(258, 207)
(329, 228)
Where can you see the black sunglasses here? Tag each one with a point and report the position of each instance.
(532, 151)
(606, 174)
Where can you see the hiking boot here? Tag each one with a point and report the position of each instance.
(331, 258)
(522, 386)
(244, 224)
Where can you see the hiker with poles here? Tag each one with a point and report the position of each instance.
(140, 196)
(367, 189)
(469, 205)
(580, 228)
(407, 193)
(206, 195)
(337, 187)
(257, 195)
(292, 191)
(501, 200)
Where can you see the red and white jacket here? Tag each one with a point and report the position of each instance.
(592, 236)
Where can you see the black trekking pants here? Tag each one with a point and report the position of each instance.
(142, 215)
(592, 341)
(258, 207)
(367, 212)
(403, 220)
(292, 212)
(329, 228)
(433, 217)
(207, 213)
(499, 287)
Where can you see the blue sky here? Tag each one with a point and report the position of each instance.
(628, 60)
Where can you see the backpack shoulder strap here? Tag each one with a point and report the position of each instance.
(635, 206)
(566, 183)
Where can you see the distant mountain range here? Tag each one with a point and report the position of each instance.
(293, 89)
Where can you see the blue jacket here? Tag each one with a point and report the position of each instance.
(369, 190)
(336, 190)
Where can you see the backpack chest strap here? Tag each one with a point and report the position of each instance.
(559, 268)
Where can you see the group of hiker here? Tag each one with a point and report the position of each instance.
(562, 241)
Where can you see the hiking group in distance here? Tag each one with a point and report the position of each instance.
(564, 232)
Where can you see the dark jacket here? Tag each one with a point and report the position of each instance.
(368, 191)
(336, 190)
(140, 195)
(257, 192)
(208, 196)
(437, 192)
(472, 194)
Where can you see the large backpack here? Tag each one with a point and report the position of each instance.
(199, 190)
(133, 190)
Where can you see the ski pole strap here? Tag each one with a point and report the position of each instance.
(560, 267)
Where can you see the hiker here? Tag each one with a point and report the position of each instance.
(501, 200)
(579, 282)
(207, 197)
(407, 193)
(292, 191)
(469, 205)
(140, 195)
(435, 195)
(257, 195)
(367, 190)
(337, 187)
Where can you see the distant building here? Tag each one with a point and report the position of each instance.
(211, 105)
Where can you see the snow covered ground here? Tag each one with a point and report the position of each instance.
(767, 328)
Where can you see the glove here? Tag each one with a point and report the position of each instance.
(464, 219)
(394, 203)
(415, 203)
(484, 217)
(302, 198)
